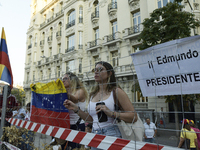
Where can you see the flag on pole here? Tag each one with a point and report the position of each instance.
(47, 104)
(5, 68)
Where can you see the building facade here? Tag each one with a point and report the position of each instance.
(71, 35)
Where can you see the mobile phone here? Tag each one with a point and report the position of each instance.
(102, 117)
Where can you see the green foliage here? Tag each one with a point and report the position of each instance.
(167, 23)
(19, 94)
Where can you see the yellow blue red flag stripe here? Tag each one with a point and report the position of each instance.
(5, 68)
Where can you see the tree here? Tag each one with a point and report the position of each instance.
(19, 94)
(165, 24)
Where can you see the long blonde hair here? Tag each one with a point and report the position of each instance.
(76, 84)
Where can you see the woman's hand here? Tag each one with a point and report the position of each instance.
(103, 108)
(70, 105)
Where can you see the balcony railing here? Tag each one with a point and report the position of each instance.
(41, 25)
(55, 56)
(80, 19)
(70, 24)
(59, 13)
(134, 29)
(93, 43)
(42, 43)
(95, 15)
(80, 46)
(112, 5)
(69, 49)
(29, 46)
(39, 62)
(111, 37)
(49, 39)
(50, 19)
(47, 60)
(58, 33)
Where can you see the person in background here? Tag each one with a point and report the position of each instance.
(162, 115)
(88, 128)
(150, 131)
(20, 112)
(77, 93)
(188, 133)
(193, 126)
(102, 103)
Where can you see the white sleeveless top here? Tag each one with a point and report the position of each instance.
(92, 111)
(73, 116)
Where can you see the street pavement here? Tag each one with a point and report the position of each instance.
(165, 136)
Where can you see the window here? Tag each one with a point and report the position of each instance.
(58, 71)
(162, 3)
(95, 59)
(36, 39)
(114, 58)
(80, 40)
(96, 6)
(80, 14)
(50, 51)
(96, 32)
(59, 48)
(80, 65)
(135, 49)
(49, 73)
(71, 16)
(29, 58)
(35, 57)
(33, 75)
(27, 79)
(114, 29)
(136, 21)
(70, 66)
(71, 41)
(41, 75)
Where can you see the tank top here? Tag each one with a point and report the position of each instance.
(92, 111)
(73, 116)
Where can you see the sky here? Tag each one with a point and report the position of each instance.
(15, 18)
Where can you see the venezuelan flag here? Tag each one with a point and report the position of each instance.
(47, 104)
(5, 68)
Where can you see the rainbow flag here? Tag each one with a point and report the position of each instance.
(5, 68)
(47, 104)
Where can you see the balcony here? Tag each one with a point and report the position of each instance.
(92, 45)
(58, 36)
(41, 25)
(134, 5)
(112, 38)
(70, 24)
(70, 49)
(39, 63)
(112, 11)
(30, 46)
(59, 13)
(80, 46)
(49, 39)
(133, 32)
(80, 19)
(42, 43)
(50, 19)
(47, 60)
(57, 56)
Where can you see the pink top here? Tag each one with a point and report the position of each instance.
(198, 135)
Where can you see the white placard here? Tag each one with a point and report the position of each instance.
(171, 68)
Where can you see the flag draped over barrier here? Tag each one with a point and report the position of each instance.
(5, 68)
(47, 104)
(170, 68)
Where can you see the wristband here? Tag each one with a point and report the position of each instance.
(77, 110)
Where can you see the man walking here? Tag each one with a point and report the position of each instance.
(150, 131)
(161, 118)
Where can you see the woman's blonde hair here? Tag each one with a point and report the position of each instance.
(76, 84)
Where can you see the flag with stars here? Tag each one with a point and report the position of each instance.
(47, 104)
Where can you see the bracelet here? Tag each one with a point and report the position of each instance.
(113, 114)
(77, 110)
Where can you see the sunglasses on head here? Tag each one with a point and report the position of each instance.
(99, 69)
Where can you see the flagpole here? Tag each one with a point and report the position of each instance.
(5, 95)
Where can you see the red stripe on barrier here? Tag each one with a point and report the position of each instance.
(25, 122)
(30, 125)
(54, 131)
(79, 137)
(15, 121)
(96, 140)
(151, 147)
(36, 127)
(118, 144)
(65, 134)
(20, 121)
(45, 129)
